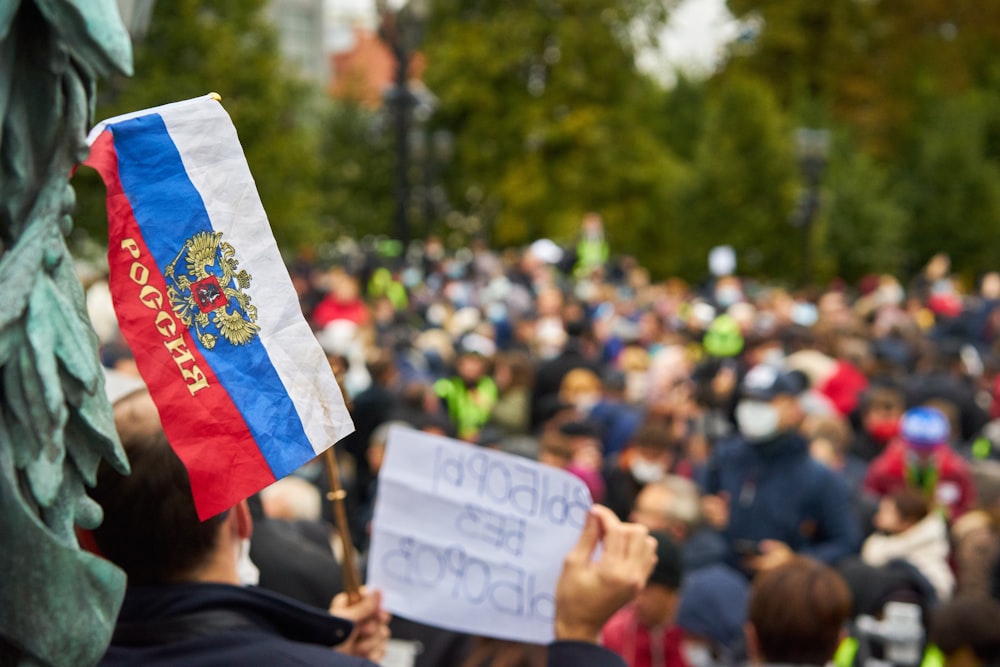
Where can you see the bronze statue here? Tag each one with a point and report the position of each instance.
(58, 604)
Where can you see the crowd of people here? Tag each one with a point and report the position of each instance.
(818, 469)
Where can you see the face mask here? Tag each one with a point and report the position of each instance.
(586, 402)
(757, 420)
(246, 571)
(696, 655)
(772, 357)
(646, 471)
(727, 296)
(884, 431)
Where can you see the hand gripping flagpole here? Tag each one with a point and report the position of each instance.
(336, 496)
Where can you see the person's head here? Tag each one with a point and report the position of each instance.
(769, 402)
(291, 499)
(828, 437)
(383, 371)
(582, 388)
(670, 505)
(549, 302)
(471, 367)
(989, 285)
(938, 266)
(656, 603)
(592, 223)
(796, 613)
(555, 449)
(584, 439)
(513, 370)
(900, 510)
(151, 528)
(723, 337)
(924, 429)
(881, 408)
(967, 630)
(712, 612)
(651, 452)
(375, 452)
(344, 287)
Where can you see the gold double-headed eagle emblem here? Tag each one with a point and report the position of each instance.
(209, 297)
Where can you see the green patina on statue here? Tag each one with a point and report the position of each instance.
(58, 604)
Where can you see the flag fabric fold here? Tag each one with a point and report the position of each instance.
(203, 298)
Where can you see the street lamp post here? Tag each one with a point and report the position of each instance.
(811, 146)
(401, 31)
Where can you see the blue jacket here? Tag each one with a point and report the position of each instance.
(778, 492)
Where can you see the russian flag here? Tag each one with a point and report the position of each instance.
(203, 298)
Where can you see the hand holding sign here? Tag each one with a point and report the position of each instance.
(470, 539)
(591, 591)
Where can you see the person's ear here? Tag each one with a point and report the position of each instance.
(242, 520)
(753, 644)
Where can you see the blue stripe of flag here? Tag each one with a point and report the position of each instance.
(169, 211)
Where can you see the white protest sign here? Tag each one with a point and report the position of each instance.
(470, 539)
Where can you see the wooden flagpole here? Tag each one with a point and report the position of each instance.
(337, 496)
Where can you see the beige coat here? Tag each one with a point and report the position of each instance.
(924, 545)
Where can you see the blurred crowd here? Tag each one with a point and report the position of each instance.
(747, 425)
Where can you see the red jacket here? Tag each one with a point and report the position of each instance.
(954, 490)
(641, 646)
(330, 309)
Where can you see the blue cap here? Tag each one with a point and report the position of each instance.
(924, 427)
(714, 605)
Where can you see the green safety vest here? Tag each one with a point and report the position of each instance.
(383, 284)
(467, 412)
(590, 254)
(848, 651)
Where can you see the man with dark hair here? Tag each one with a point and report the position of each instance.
(187, 600)
(188, 604)
(644, 632)
(796, 614)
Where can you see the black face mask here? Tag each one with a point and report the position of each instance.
(470, 384)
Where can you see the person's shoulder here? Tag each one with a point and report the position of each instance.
(952, 460)
(730, 451)
(582, 653)
(235, 647)
(613, 632)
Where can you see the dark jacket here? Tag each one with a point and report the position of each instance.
(209, 625)
(295, 559)
(564, 654)
(218, 625)
(778, 492)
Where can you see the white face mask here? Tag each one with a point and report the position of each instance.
(646, 471)
(757, 420)
(247, 572)
(697, 655)
(586, 402)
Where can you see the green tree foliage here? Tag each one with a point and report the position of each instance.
(952, 185)
(551, 117)
(744, 183)
(197, 46)
(912, 83)
(356, 179)
(862, 229)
